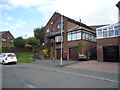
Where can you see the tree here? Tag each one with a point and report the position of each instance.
(39, 34)
(80, 47)
(19, 42)
(33, 42)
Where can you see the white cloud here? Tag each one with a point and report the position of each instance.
(22, 22)
(5, 14)
(27, 3)
(9, 18)
(5, 6)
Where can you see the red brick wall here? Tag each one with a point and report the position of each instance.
(106, 42)
(8, 37)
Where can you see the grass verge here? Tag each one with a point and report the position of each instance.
(24, 57)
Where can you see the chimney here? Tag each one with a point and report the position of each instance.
(118, 5)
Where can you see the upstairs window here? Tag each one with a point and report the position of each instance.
(105, 33)
(74, 35)
(53, 28)
(11, 41)
(47, 30)
(60, 25)
(111, 31)
(99, 33)
(4, 40)
(117, 30)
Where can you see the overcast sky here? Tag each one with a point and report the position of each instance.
(21, 17)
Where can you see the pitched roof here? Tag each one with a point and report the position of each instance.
(118, 4)
(3, 32)
(71, 20)
(97, 26)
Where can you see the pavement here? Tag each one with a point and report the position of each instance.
(54, 62)
(93, 65)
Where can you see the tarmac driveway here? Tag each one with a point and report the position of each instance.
(108, 67)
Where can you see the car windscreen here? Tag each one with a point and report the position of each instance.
(11, 55)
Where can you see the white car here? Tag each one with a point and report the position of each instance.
(6, 58)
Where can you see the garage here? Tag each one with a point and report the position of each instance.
(111, 53)
(73, 53)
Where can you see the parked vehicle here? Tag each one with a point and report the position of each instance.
(83, 57)
(6, 58)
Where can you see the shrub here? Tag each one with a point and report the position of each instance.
(19, 42)
(45, 53)
(7, 48)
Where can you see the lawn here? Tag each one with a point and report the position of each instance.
(24, 57)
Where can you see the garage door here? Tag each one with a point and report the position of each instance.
(111, 53)
(73, 53)
(58, 52)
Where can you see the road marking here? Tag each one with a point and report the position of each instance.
(105, 79)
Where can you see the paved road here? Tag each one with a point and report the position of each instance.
(40, 76)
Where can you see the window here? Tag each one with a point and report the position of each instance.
(74, 36)
(111, 31)
(52, 27)
(117, 30)
(105, 33)
(87, 36)
(47, 30)
(4, 40)
(84, 36)
(99, 33)
(69, 36)
(94, 39)
(60, 25)
(11, 41)
(58, 39)
(78, 35)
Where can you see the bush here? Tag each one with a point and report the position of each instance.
(7, 48)
(19, 42)
(45, 53)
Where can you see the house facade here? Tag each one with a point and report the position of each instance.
(108, 41)
(73, 32)
(6, 38)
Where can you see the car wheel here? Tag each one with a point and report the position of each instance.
(3, 63)
(14, 62)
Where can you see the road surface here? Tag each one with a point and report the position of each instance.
(32, 75)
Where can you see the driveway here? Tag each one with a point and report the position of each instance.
(108, 67)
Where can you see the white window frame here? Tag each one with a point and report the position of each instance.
(47, 30)
(4, 39)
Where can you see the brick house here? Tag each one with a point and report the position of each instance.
(73, 33)
(108, 42)
(6, 38)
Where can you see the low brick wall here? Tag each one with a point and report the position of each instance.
(13, 50)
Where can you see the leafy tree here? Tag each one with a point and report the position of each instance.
(19, 42)
(33, 42)
(80, 47)
(39, 34)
